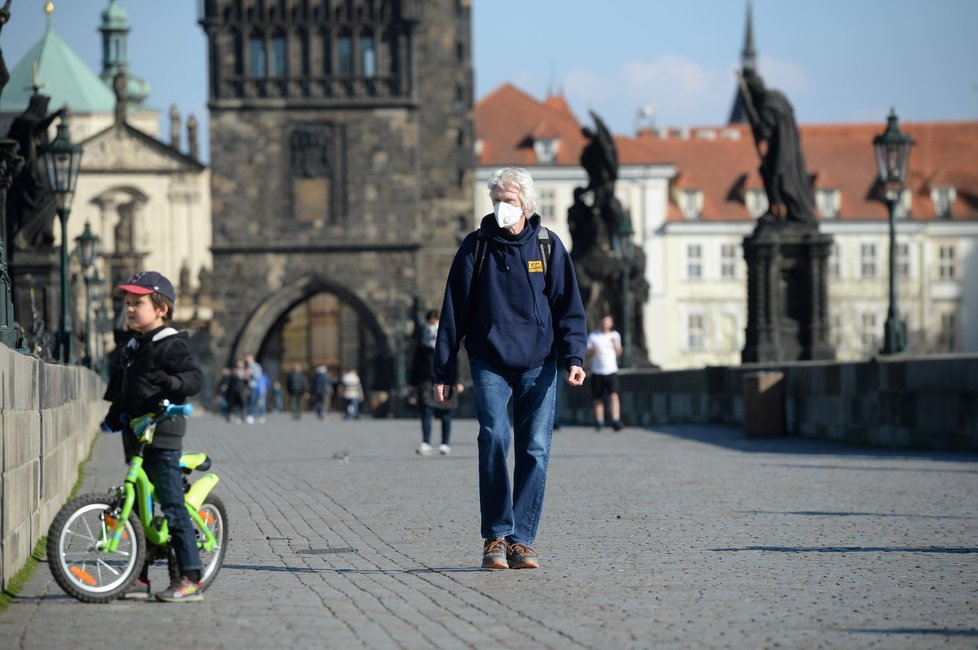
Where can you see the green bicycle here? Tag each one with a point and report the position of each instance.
(98, 543)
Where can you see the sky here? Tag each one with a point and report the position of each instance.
(673, 60)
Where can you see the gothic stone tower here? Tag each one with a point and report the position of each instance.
(341, 157)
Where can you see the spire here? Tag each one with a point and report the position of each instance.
(115, 41)
(748, 61)
(748, 56)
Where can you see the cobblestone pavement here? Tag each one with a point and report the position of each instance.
(682, 537)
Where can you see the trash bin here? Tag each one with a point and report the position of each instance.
(764, 404)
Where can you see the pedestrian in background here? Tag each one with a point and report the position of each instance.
(321, 387)
(604, 348)
(422, 379)
(352, 394)
(298, 387)
(520, 313)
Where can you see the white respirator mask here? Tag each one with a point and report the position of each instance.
(507, 214)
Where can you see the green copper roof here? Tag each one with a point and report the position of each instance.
(115, 17)
(64, 77)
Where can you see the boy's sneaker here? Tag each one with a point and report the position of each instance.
(617, 425)
(598, 425)
(424, 449)
(181, 591)
(138, 590)
(444, 449)
(494, 554)
(521, 556)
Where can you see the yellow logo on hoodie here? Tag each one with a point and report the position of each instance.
(535, 266)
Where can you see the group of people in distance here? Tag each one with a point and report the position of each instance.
(520, 315)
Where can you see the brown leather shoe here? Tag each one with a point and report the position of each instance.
(494, 554)
(521, 556)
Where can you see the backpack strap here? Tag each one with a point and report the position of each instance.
(478, 260)
(546, 248)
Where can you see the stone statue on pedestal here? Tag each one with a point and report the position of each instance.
(608, 264)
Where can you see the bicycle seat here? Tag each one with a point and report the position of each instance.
(195, 460)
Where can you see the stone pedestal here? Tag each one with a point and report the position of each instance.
(787, 293)
(36, 277)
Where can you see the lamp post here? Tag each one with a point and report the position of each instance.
(625, 252)
(87, 251)
(62, 159)
(892, 155)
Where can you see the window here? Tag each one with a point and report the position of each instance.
(547, 200)
(943, 199)
(903, 260)
(828, 202)
(728, 261)
(869, 335)
(311, 197)
(695, 335)
(694, 262)
(691, 203)
(867, 261)
(459, 98)
(946, 268)
(344, 55)
(277, 63)
(756, 202)
(546, 150)
(368, 56)
(256, 56)
(835, 269)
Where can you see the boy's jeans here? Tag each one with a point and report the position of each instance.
(445, 415)
(163, 468)
(514, 514)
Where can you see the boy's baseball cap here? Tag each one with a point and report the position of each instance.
(144, 283)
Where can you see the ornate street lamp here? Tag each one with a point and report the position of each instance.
(625, 252)
(892, 155)
(62, 159)
(87, 252)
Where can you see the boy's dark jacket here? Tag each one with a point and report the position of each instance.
(519, 317)
(154, 366)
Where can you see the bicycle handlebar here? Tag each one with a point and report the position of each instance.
(179, 409)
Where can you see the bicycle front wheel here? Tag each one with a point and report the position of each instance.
(215, 515)
(76, 555)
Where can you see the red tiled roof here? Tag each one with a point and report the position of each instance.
(723, 167)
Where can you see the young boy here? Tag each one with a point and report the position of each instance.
(157, 364)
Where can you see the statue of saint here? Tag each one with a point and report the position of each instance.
(30, 203)
(786, 181)
(4, 73)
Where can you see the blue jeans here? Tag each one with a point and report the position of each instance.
(163, 468)
(513, 514)
(445, 415)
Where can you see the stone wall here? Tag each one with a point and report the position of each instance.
(923, 402)
(49, 415)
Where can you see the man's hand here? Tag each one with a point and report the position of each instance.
(441, 392)
(575, 376)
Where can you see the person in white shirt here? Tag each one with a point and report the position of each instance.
(604, 348)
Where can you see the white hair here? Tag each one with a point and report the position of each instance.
(521, 179)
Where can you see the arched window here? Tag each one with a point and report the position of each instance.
(344, 54)
(256, 56)
(368, 55)
(278, 62)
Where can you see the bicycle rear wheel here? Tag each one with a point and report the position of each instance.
(76, 540)
(214, 514)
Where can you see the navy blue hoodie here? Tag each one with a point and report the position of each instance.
(517, 317)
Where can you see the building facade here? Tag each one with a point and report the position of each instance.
(694, 194)
(341, 155)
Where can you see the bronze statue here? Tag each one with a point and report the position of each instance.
(786, 181)
(30, 203)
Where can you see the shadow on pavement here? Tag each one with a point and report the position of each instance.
(913, 630)
(853, 549)
(734, 438)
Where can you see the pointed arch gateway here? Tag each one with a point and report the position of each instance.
(373, 359)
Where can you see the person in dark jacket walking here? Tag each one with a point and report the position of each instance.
(298, 386)
(422, 378)
(520, 314)
(157, 364)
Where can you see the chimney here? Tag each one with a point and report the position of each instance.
(174, 127)
(192, 137)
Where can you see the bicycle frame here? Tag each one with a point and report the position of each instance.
(139, 490)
